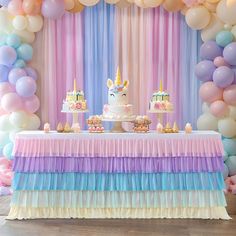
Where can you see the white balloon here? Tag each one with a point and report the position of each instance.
(4, 138)
(89, 3)
(5, 124)
(112, 1)
(34, 122)
(205, 108)
(19, 119)
(35, 23)
(207, 122)
(210, 32)
(227, 127)
(148, 3)
(19, 22)
(232, 112)
(226, 12)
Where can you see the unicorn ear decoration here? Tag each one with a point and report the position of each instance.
(117, 83)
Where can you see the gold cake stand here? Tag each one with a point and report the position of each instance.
(160, 114)
(75, 115)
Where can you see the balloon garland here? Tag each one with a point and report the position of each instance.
(21, 19)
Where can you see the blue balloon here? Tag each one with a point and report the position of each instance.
(225, 156)
(26, 86)
(19, 64)
(3, 40)
(231, 164)
(230, 146)
(7, 150)
(13, 40)
(25, 52)
(224, 38)
(4, 71)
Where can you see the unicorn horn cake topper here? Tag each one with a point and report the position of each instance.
(118, 78)
(117, 85)
(161, 86)
(75, 87)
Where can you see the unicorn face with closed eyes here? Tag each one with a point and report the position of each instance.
(118, 91)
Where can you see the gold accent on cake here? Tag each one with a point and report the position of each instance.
(161, 86)
(118, 77)
(75, 86)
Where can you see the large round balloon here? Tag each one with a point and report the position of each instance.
(223, 76)
(204, 70)
(209, 92)
(25, 52)
(4, 71)
(227, 127)
(229, 95)
(226, 11)
(230, 54)
(32, 104)
(15, 74)
(207, 122)
(230, 146)
(26, 86)
(231, 164)
(19, 119)
(210, 50)
(224, 38)
(35, 23)
(205, 107)
(13, 40)
(19, 22)
(219, 109)
(53, 9)
(232, 112)
(11, 102)
(5, 88)
(171, 5)
(5, 124)
(34, 122)
(198, 17)
(7, 150)
(15, 7)
(7, 55)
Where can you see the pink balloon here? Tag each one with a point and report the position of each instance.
(229, 95)
(219, 109)
(11, 102)
(209, 92)
(32, 104)
(15, 7)
(5, 87)
(220, 61)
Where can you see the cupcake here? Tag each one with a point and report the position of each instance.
(188, 128)
(46, 128)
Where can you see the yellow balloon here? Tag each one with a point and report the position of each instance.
(175, 5)
(69, 4)
(112, 1)
(123, 4)
(89, 3)
(226, 12)
(198, 17)
(210, 32)
(148, 3)
(77, 8)
(210, 6)
(35, 23)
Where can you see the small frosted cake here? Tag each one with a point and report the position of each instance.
(74, 101)
(118, 107)
(160, 101)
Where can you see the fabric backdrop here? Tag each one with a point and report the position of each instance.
(149, 45)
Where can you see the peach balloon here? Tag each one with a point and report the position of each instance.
(5, 88)
(77, 8)
(15, 7)
(219, 109)
(209, 92)
(171, 5)
(229, 95)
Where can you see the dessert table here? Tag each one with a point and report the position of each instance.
(126, 175)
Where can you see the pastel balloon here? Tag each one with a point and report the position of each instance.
(13, 40)
(32, 104)
(32, 7)
(198, 17)
(231, 164)
(5, 123)
(19, 22)
(15, 74)
(232, 112)
(11, 102)
(69, 4)
(77, 8)
(123, 4)
(220, 61)
(210, 32)
(229, 95)
(53, 9)
(5, 87)
(205, 107)
(226, 171)
(209, 92)
(204, 70)
(173, 6)
(19, 119)
(7, 56)
(207, 122)
(233, 31)
(4, 138)
(225, 155)
(229, 146)
(4, 18)
(34, 122)
(219, 109)
(7, 150)
(227, 127)
(25, 35)
(3, 39)
(31, 72)
(25, 52)
(4, 71)
(224, 38)
(15, 7)
(19, 64)
(26, 86)
(35, 23)
(226, 12)
(229, 54)
(210, 50)
(223, 76)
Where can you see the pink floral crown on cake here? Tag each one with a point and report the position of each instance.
(117, 86)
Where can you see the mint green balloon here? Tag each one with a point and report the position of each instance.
(231, 164)
(7, 150)
(224, 38)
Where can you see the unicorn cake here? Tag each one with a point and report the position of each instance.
(118, 107)
(160, 101)
(74, 101)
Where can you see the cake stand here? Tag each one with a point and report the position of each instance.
(117, 126)
(75, 115)
(160, 114)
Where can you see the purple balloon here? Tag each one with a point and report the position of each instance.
(26, 86)
(229, 54)
(15, 74)
(210, 50)
(31, 72)
(53, 9)
(204, 70)
(7, 56)
(4, 71)
(223, 76)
